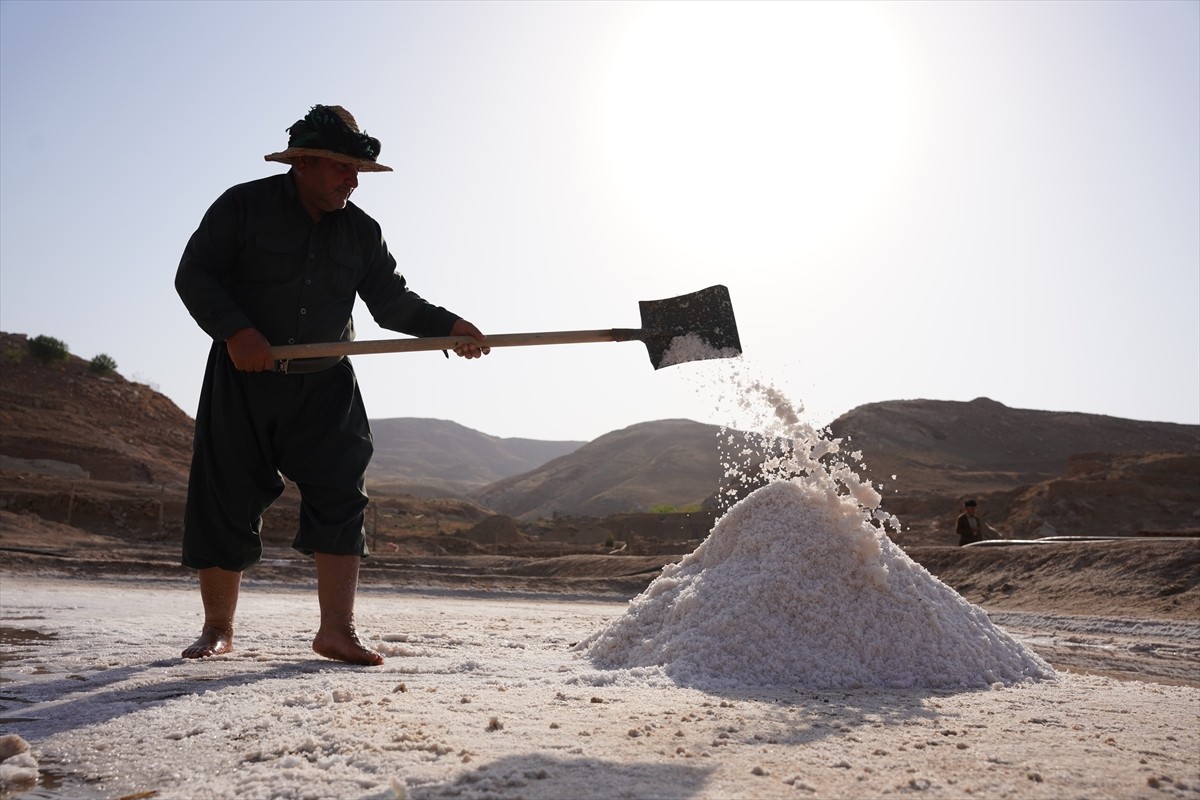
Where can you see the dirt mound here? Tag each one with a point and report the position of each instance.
(497, 529)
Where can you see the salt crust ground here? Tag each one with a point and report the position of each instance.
(483, 697)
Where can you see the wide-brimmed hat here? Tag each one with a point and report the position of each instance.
(331, 132)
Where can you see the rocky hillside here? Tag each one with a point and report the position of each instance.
(80, 446)
(64, 419)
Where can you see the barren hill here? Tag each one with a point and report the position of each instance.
(669, 462)
(1034, 472)
(439, 458)
(64, 419)
(982, 445)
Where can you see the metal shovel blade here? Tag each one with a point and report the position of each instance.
(690, 327)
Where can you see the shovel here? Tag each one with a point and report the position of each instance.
(691, 327)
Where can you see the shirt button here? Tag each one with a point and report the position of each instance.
(311, 256)
(291, 341)
(303, 311)
(308, 281)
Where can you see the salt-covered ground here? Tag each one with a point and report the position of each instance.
(797, 652)
(484, 696)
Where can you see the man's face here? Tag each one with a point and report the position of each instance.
(971, 510)
(324, 185)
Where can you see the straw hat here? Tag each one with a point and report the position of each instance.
(331, 132)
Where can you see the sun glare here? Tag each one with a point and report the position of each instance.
(754, 127)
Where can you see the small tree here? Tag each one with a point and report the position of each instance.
(103, 364)
(48, 350)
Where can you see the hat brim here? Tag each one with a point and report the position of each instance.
(290, 155)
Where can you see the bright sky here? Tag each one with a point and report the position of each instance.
(906, 200)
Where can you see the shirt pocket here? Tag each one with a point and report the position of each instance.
(272, 258)
(345, 271)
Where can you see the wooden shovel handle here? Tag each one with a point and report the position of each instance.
(326, 349)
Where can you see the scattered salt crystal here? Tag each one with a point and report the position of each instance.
(387, 648)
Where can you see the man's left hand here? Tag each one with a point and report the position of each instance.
(470, 349)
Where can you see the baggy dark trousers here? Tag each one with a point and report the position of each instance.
(253, 427)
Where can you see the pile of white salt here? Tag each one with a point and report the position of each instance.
(798, 585)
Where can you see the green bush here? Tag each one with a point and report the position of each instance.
(13, 355)
(103, 364)
(48, 350)
(667, 508)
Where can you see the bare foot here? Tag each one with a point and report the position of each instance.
(344, 645)
(213, 641)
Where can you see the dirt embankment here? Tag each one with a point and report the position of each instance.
(1122, 578)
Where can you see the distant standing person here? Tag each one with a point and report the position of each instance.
(279, 261)
(969, 526)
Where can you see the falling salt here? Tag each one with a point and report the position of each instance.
(799, 585)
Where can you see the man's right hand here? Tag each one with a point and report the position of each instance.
(250, 351)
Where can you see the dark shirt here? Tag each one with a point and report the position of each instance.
(258, 260)
(969, 529)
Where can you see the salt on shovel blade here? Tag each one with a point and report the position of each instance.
(690, 327)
